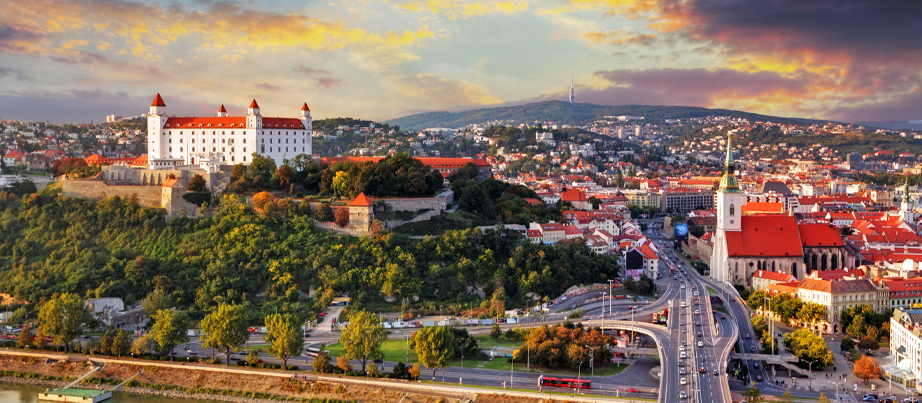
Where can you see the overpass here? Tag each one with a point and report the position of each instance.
(787, 362)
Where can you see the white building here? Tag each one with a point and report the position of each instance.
(905, 345)
(224, 140)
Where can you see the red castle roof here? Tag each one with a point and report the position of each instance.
(361, 201)
(254, 104)
(305, 108)
(158, 101)
(222, 109)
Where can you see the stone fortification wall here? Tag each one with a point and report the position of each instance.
(413, 204)
(148, 196)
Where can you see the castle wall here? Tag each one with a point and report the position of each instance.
(148, 196)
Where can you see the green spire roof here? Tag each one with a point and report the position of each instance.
(729, 183)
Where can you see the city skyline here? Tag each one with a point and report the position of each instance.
(76, 61)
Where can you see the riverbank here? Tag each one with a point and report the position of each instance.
(191, 383)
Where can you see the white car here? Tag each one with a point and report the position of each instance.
(700, 344)
(682, 381)
(682, 395)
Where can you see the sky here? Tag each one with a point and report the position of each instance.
(80, 60)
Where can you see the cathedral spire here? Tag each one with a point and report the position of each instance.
(906, 190)
(729, 183)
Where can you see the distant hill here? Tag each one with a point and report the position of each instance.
(576, 114)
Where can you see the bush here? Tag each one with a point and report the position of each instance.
(197, 198)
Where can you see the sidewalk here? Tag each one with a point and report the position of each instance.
(841, 373)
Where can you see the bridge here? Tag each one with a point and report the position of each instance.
(784, 360)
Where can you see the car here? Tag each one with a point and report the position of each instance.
(694, 286)
(723, 316)
(683, 286)
(715, 372)
(701, 370)
(683, 371)
(696, 302)
(747, 335)
(682, 381)
(682, 395)
(681, 364)
(682, 355)
(697, 323)
(697, 312)
(713, 311)
(911, 400)
(868, 399)
(682, 323)
(696, 292)
(752, 348)
(684, 330)
(872, 396)
(759, 378)
(632, 390)
(379, 361)
(755, 365)
(683, 343)
(700, 344)
(699, 334)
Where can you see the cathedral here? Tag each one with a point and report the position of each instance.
(747, 243)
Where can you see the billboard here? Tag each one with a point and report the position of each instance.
(681, 230)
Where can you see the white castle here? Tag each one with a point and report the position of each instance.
(223, 140)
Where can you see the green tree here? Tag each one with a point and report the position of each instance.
(121, 344)
(196, 184)
(225, 329)
(25, 337)
(363, 337)
(787, 397)
(847, 344)
(262, 166)
(322, 363)
(341, 183)
(62, 317)
(324, 212)
(108, 339)
(434, 347)
(156, 301)
(495, 332)
(170, 329)
(141, 346)
(868, 344)
(753, 394)
(283, 332)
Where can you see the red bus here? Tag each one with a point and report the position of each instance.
(564, 382)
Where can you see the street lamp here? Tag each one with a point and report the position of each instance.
(579, 374)
(610, 284)
(603, 312)
(512, 372)
(771, 327)
(837, 388)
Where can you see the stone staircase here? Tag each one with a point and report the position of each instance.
(219, 181)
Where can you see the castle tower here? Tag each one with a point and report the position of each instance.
(361, 212)
(254, 119)
(222, 113)
(155, 121)
(729, 217)
(307, 122)
(572, 91)
(305, 112)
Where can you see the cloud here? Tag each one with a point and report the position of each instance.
(453, 9)
(267, 87)
(320, 75)
(18, 74)
(18, 38)
(81, 106)
(440, 91)
(899, 108)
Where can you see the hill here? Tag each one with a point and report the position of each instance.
(573, 114)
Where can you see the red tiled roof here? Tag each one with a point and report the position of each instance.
(573, 195)
(157, 101)
(771, 235)
(773, 276)
(14, 154)
(899, 284)
(282, 123)
(648, 252)
(226, 122)
(222, 109)
(532, 233)
(169, 183)
(823, 235)
(838, 274)
(530, 200)
(305, 108)
(362, 201)
(254, 104)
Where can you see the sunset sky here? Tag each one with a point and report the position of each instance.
(77, 60)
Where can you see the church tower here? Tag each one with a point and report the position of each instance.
(729, 219)
(254, 119)
(155, 121)
(906, 207)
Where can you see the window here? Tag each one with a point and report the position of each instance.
(171, 149)
(244, 141)
(732, 210)
(171, 140)
(244, 157)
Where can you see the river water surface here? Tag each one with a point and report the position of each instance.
(14, 393)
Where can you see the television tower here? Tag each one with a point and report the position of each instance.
(572, 92)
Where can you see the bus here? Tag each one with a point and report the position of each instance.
(564, 382)
(311, 351)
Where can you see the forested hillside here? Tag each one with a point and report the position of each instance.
(51, 244)
(573, 114)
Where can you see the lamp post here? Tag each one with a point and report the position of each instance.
(603, 312)
(408, 348)
(591, 360)
(771, 328)
(810, 367)
(837, 389)
(610, 284)
(579, 374)
(512, 372)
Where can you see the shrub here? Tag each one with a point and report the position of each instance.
(197, 198)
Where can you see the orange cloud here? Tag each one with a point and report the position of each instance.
(453, 9)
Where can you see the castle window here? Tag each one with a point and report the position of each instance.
(171, 149)
(244, 141)
(171, 140)
(244, 157)
(732, 210)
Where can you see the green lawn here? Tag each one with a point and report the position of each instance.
(445, 222)
(551, 391)
(396, 351)
(711, 290)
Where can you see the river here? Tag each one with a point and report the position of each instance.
(13, 393)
